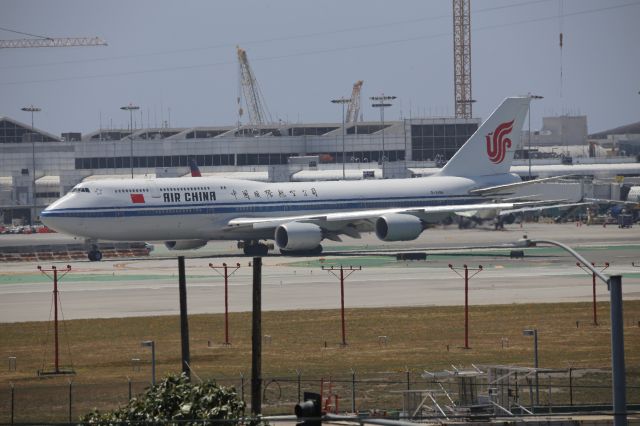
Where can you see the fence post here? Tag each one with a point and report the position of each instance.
(70, 400)
(12, 401)
(353, 391)
(298, 373)
(408, 372)
(129, 380)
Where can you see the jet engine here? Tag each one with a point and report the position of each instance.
(185, 244)
(297, 236)
(398, 227)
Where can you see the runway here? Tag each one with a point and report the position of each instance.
(124, 288)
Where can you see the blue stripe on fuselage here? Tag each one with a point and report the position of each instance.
(260, 207)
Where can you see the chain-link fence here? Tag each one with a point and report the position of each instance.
(407, 394)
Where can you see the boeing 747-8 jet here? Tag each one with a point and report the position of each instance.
(187, 212)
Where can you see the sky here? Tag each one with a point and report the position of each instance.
(177, 59)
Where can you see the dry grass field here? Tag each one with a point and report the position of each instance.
(418, 338)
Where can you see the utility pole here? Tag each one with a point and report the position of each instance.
(55, 278)
(350, 270)
(342, 101)
(34, 197)
(226, 276)
(466, 278)
(593, 275)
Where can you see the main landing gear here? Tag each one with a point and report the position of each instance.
(310, 252)
(254, 248)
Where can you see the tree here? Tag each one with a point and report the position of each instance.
(176, 398)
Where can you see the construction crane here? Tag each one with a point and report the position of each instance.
(354, 105)
(462, 58)
(254, 100)
(52, 42)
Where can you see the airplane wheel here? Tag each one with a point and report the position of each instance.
(95, 255)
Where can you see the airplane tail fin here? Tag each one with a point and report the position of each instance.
(195, 171)
(490, 150)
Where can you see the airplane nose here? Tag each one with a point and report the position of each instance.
(52, 216)
(48, 217)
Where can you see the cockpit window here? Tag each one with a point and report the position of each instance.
(80, 190)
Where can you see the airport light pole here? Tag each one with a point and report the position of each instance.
(151, 344)
(534, 333)
(614, 284)
(342, 101)
(529, 120)
(605, 266)
(382, 102)
(466, 278)
(342, 277)
(131, 107)
(55, 278)
(32, 109)
(226, 276)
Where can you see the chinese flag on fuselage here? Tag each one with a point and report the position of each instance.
(137, 198)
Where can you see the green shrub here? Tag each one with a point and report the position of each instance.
(177, 399)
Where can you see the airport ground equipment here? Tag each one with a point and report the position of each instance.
(350, 270)
(614, 285)
(56, 303)
(593, 275)
(466, 278)
(226, 274)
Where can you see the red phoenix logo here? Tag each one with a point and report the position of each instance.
(497, 143)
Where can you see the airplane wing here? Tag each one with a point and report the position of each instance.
(350, 223)
(542, 208)
(510, 187)
(606, 201)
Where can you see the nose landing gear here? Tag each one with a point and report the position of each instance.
(94, 254)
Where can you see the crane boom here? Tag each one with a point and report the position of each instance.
(52, 42)
(354, 105)
(256, 106)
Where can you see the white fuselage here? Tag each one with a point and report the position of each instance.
(200, 208)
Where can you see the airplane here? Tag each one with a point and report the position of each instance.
(187, 212)
(193, 166)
